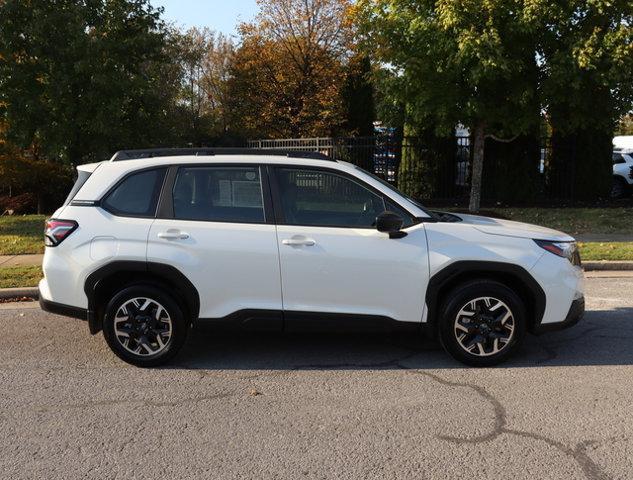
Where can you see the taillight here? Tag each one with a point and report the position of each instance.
(55, 231)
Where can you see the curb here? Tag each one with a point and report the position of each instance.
(608, 266)
(30, 292)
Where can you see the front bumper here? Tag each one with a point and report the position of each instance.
(563, 284)
(575, 314)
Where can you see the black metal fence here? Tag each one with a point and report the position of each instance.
(520, 172)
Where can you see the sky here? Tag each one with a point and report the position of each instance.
(219, 15)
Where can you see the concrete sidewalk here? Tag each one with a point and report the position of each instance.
(20, 260)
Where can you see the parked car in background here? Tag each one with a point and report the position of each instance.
(623, 142)
(151, 242)
(622, 173)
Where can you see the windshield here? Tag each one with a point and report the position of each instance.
(394, 189)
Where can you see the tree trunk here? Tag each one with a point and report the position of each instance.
(478, 166)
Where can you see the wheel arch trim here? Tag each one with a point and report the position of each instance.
(163, 273)
(464, 270)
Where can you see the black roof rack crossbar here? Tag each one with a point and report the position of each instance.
(204, 151)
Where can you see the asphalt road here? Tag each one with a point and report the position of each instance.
(319, 406)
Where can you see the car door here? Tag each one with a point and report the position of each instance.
(333, 260)
(215, 225)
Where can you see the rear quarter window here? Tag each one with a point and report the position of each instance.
(82, 177)
(136, 195)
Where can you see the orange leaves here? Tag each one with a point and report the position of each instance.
(288, 71)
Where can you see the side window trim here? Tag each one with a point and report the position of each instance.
(276, 194)
(102, 202)
(165, 209)
(166, 200)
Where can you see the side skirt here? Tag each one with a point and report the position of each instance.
(293, 321)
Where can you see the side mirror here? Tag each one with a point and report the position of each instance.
(390, 223)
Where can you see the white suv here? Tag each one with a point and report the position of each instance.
(150, 242)
(622, 173)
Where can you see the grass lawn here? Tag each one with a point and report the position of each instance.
(573, 221)
(22, 234)
(23, 276)
(606, 251)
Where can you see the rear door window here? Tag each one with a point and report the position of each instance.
(219, 194)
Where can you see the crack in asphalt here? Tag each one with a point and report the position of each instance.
(578, 453)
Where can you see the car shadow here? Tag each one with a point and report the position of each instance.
(603, 337)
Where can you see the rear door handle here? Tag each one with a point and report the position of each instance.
(173, 235)
(294, 242)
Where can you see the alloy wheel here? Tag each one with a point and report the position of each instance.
(484, 326)
(143, 326)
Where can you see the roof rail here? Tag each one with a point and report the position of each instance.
(204, 151)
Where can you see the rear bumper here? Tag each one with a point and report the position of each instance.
(61, 309)
(575, 314)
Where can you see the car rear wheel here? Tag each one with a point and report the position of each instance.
(144, 326)
(482, 323)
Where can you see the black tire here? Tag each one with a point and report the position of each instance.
(173, 313)
(461, 298)
(618, 188)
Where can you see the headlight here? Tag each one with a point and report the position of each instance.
(568, 250)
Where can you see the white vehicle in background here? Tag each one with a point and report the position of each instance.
(151, 242)
(622, 173)
(623, 142)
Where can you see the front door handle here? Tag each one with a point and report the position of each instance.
(173, 235)
(298, 242)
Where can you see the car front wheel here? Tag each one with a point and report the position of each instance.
(144, 326)
(482, 323)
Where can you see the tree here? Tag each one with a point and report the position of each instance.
(81, 79)
(358, 97)
(204, 58)
(24, 172)
(625, 125)
(586, 52)
(458, 62)
(286, 76)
